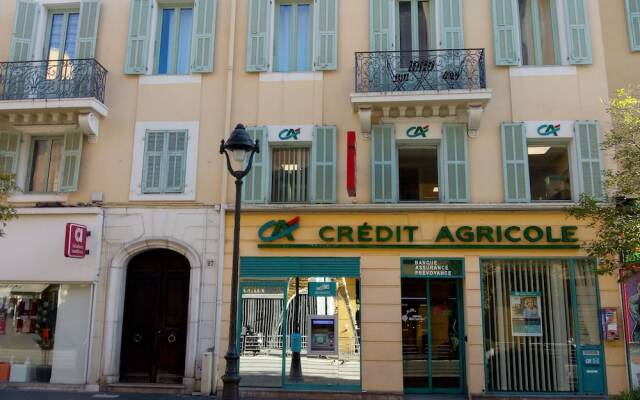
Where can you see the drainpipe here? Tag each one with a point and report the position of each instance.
(223, 196)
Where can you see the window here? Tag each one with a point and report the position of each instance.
(290, 175)
(293, 36)
(45, 165)
(549, 173)
(539, 32)
(164, 162)
(415, 24)
(418, 174)
(633, 20)
(173, 50)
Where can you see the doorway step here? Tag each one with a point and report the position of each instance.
(538, 397)
(154, 388)
(280, 394)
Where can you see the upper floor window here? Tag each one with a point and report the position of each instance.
(290, 175)
(633, 20)
(549, 172)
(539, 32)
(165, 155)
(414, 23)
(418, 173)
(62, 33)
(294, 35)
(174, 45)
(45, 163)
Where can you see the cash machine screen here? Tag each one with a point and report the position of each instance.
(323, 335)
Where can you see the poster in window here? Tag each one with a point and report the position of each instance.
(631, 296)
(634, 364)
(526, 314)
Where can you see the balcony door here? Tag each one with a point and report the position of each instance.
(60, 49)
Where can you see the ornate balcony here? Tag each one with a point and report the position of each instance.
(53, 93)
(433, 83)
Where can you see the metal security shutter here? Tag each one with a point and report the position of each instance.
(276, 267)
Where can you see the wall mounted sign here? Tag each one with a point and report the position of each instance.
(418, 129)
(549, 129)
(75, 241)
(290, 133)
(609, 323)
(432, 267)
(351, 163)
(513, 234)
(322, 289)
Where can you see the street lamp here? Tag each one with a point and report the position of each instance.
(240, 145)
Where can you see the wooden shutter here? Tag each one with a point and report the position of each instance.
(175, 161)
(71, 156)
(152, 162)
(204, 32)
(254, 189)
(24, 30)
(455, 162)
(633, 20)
(384, 177)
(452, 32)
(138, 38)
(506, 32)
(88, 29)
(381, 37)
(579, 38)
(9, 149)
(589, 161)
(258, 36)
(323, 165)
(327, 35)
(515, 163)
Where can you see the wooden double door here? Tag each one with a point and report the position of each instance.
(154, 331)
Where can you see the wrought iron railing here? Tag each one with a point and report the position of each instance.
(406, 71)
(52, 79)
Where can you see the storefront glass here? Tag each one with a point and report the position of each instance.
(44, 332)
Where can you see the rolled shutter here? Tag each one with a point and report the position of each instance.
(9, 148)
(203, 40)
(152, 162)
(455, 162)
(176, 161)
(384, 186)
(254, 189)
(24, 30)
(138, 38)
(327, 35)
(515, 163)
(323, 165)
(452, 32)
(579, 38)
(506, 32)
(589, 161)
(258, 36)
(71, 156)
(381, 37)
(633, 20)
(88, 30)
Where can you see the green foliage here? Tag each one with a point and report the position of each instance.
(624, 140)
(7, 212)
(628, 395)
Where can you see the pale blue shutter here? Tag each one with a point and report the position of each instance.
(88, 29)
(384, 179)
(24, 30)
(254, 189)
(138, 38)
(71, 156)
(258, 36)
(452, 32)
(204, 33)
(633, 20)
(454, 139)
(327, 35)
(380, 33)
(589, 160)
(323, 164)
(152, 162)
(579, 38)
(175, 161)
(9, 147)
(506, 32)
(515, 163)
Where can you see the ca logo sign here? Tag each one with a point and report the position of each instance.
(548, 130)
(287, 134)
(418, 131)
(278, 229)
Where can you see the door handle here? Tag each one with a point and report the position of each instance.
(171, 338)
(137, 338)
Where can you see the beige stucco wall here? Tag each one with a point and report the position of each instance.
(622, 64)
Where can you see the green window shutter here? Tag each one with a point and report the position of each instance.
(384, 185)
(589, 161)
(323, 165)
(327, 35)
(515, 163)
(452, 32)
(24, 30)
(633, 19)
(258, 36)
(204, 33)
(175, 160)
(154, 145)
(71, 156)
(138, 38)
(254, 189)
(579, 38)
(454, 137)
(88, 30)
(380, 32)
(9, 148)
(506, 32)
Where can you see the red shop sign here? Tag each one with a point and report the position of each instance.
(75, 240)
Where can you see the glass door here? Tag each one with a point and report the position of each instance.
(432, 336)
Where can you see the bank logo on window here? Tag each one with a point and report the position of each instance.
(548, 130)
(288, 134)
(274, 230)
(418, 131)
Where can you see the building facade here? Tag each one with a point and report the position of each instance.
(404, 226)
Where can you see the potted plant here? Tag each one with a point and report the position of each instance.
(44, 341)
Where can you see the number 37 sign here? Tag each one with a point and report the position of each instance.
(75, 240)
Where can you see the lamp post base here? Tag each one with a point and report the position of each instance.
(231, 378)
(295, 374)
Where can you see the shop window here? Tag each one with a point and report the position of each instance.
(549, 173)
(173, 49)
(290, 175)
(539, 32)
(418, 174)
(165, 157)
(293, 43)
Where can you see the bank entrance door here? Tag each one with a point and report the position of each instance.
(432, 335)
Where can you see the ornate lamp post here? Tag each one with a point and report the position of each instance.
(240, 145)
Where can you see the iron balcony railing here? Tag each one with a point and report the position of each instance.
(407, 71)
(52, 79)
